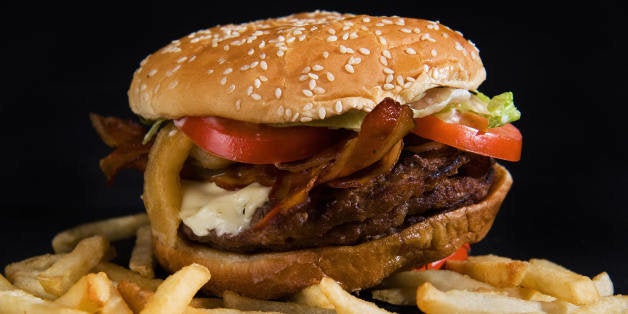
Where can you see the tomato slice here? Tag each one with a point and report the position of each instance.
(460, 254)
(502, 142)
(255, 143)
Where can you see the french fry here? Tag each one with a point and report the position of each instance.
(58, 278)
(112, 229)
(344, 302)
(528, 294)
(94, 292)
(495, 270)
(134, 296)
(433, 301)
(442, 279)
(119, 273)
(20, 301)
(88, 294)
(177, 290)
(312, 296)
(207, 303)
(555, 280)
(609, 304)
(396, 296)
(5, 284)
(235, 301)
(604, 284)
(142, 260)
(23, 274)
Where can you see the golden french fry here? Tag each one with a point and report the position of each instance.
(234, 300)
(118, 273)
(177, 290)
(495, 270)
(58, 278)
(5, 284)
(433, 301)
(142, 259)
(23, 274)
(442, 279)
(89, 293)
(312, 296)
(112, 229)
(608, 305)
(396, 296)
(20, 301)
(555, 280)
(604, 284)
(528, 294)
(558, 307)
(94, 292)
(344, 302)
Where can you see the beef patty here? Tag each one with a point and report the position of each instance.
(433, 180)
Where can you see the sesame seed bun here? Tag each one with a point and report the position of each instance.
(302, 67)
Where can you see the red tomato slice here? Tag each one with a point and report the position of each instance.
(459, 255)
(502, 142)
(255, 143)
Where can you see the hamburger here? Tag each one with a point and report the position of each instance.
(280, 151)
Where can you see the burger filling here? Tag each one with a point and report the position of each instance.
(370, 183)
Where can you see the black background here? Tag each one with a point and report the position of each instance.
(566, 67)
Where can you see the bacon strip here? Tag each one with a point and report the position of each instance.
(126, 138)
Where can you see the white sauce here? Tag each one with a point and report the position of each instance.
(206, 206)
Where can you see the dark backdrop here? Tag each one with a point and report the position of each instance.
(565, 66)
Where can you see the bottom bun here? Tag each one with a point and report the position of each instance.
(277, 274)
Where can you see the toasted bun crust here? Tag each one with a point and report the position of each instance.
(302, 67)
(273, 275)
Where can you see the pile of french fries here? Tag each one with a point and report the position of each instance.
(80, 277)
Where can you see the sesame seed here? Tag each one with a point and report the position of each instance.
(308, 106)
(330, 76)
(434, 52)
(288, 113)
(366, 20)
(306, 119)
(278, 94)
(254, 64)
(386, 53)
(459, 46)
(251, 51)
(263, 78)
(192, 58)
(182, 59)
(226, 47)
(406, 30)
(332, 38)
(382, 40)
(231, 88)
(307, 93)
(317, 67)
(400, 22)
(257, 83)
(262, 55)
(256, 96)
(349, 68)
(354, 60)
(262, 44)
(280, 53)
(319, 90)
(249, 90)
(416, 30)
(312, 84)
(306, 69)
(331, 31)
(245, 67)
(325, 54)
(312, 76)
(410, 51)
(427, 37)
(364, 51)
(237, 104)
(400, 80)
(353, 35)
(301, 37)
(280, 111)
(263, 65)
(173, 84)
(223, 80)
(303, 77)
(383, 60)
(338, 106)
(227, 71)
(378, 32)
(388, 71)
(345, 36)
(389, 78)
(388, 86)
(152, 72)
(322, 112)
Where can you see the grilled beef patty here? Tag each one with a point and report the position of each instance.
(433, 180)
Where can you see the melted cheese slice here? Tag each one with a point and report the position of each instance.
(205, 207)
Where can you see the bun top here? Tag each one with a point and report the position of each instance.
(302, 67)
